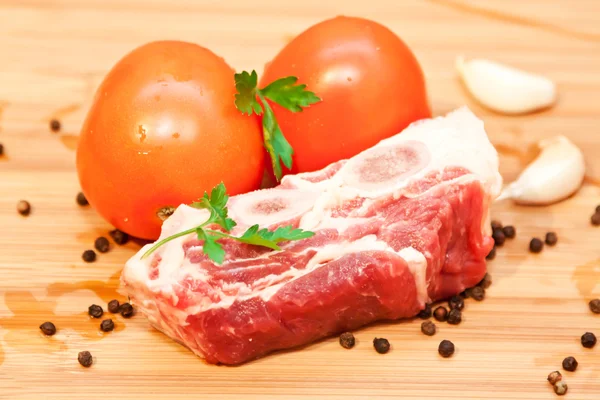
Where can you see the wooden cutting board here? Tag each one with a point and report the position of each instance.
(53, 54)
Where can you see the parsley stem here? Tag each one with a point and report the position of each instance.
(219, 234)
(175, 236)
(168, 239)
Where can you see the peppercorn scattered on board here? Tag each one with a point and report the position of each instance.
(55, 53)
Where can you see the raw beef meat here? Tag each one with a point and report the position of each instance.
(397, 226)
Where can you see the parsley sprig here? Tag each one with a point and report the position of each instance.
(285, 92)
(216, 203)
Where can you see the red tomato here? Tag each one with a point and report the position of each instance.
(371, 84)
(163, 129)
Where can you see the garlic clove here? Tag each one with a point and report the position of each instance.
(505, 89)
(555, 174)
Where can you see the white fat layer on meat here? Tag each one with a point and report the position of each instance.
(417, 264)
(456, 140)
(295, 202)
(319, 217)
(136, 269)
(329, 198)
(340, 223)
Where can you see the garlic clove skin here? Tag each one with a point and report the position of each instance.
(555, 174)
(505, 89)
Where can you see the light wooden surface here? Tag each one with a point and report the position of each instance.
(53, 54)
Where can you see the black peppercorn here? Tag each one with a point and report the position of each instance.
(560, 388)
(498, 237)
(440, 313)
(454, 316)
(446, 348)
(551, 238)
(119, 237)
(107, 325)
(595, 220)
(48, 328)
(85, 359)
(595, 306)
(55, 125)
(126, 310)
(1, 149)
(89, 256)
(95, 311)
(509, 231)
(381, 345)
(347, 340)
(101, 244)
(496, 225)
(456, 302)
(554, 377)
(492, 254)
(426, 312)
(81, 200)
(570, 364)
(24, 208)
(486, 282)
(428, 328)
(477, 293)
(536, 245)
(114, 306)
(588, 340)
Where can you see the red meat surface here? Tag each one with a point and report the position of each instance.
(395, 227)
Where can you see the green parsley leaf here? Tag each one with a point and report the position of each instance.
(256, 237)
(216, 203)
(284, 92)
(271, 239)
(287, 94)
(210, 247)
(276, 144)
(245, 98)
(288, 233)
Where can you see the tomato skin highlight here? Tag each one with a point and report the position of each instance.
(370, 82)
(162, 130)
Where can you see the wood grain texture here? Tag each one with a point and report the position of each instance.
(53, 54)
